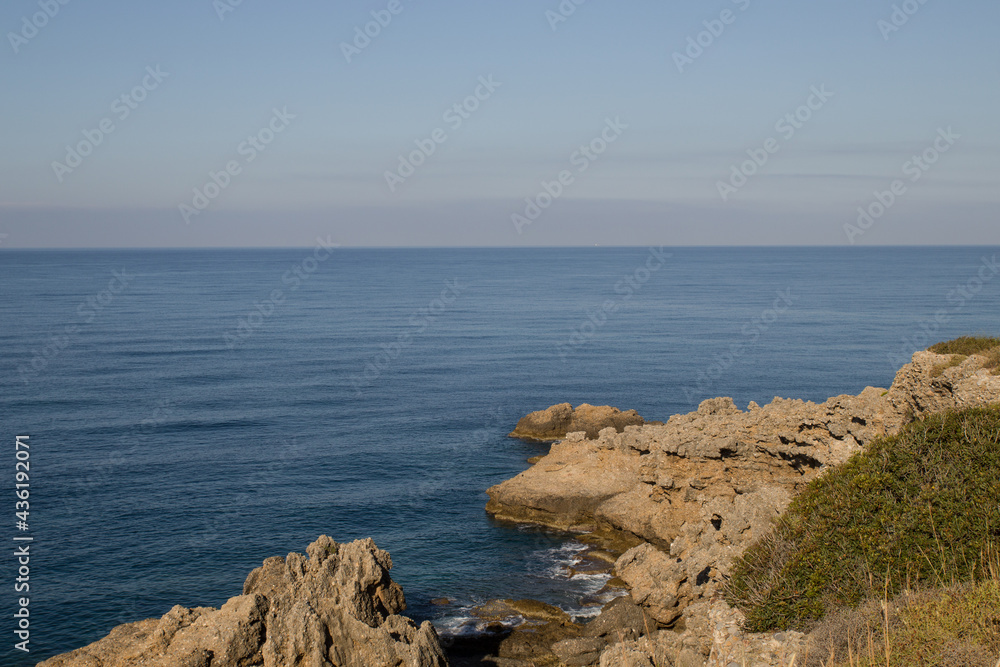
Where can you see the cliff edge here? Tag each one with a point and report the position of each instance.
(700, 488)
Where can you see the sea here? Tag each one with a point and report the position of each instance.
(189, 413)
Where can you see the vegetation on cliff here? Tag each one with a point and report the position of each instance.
(919, 508)
(961, 348)
(950, 626)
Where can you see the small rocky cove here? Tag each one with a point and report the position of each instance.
(661, 510)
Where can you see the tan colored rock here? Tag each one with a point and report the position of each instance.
(620, 619)
(659, 650)
(919, 392)
(703, 486)
(544, 425)
(338, 606)
(498, 610)
(652, 582)
(558, 421)
(584, 476)
(579, 651)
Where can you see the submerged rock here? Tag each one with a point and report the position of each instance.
(557, 421)
(335, 606)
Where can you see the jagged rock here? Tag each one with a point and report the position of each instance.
(558, 421)
(700, 488)
(532, 643)
(579, 652)
(619, 620)
(544, 425)
(659, 650)
(338, 606)
(652, 582)
(920, 391)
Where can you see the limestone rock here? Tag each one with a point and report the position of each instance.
(336, 606)
(579, 652)
(704, 485)
(566, 487)
(653, 582)
(659, 650)
(620, 619)
(558, 421)
(920, 390)
(533, 610)
(544, 425)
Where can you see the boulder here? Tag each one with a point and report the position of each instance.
(544, 425)
(619, 620)
(579, 652)
(336, 605)
(558, 421)
(654, 582)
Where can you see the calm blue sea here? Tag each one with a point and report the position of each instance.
(191, 413)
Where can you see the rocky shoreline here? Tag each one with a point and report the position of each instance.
(664, 509)
(697, 490)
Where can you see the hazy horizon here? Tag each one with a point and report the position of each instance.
(216, 123)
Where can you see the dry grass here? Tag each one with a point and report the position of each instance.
(939, 369)
(962, 348)
(966, 345)
(993, 361)
(957, 625)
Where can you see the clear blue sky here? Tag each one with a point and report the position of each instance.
(657, 183)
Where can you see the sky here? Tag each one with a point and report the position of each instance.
(208, 123)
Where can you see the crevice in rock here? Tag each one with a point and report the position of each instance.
(703, 576)
(801, 462)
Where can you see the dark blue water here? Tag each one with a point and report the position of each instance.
(173, 449)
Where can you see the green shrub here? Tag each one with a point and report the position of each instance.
(921, 506)
(966, 345)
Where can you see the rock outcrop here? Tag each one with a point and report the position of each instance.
(557, 421)
(700, 488)
(335, 606)
(713, 637)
